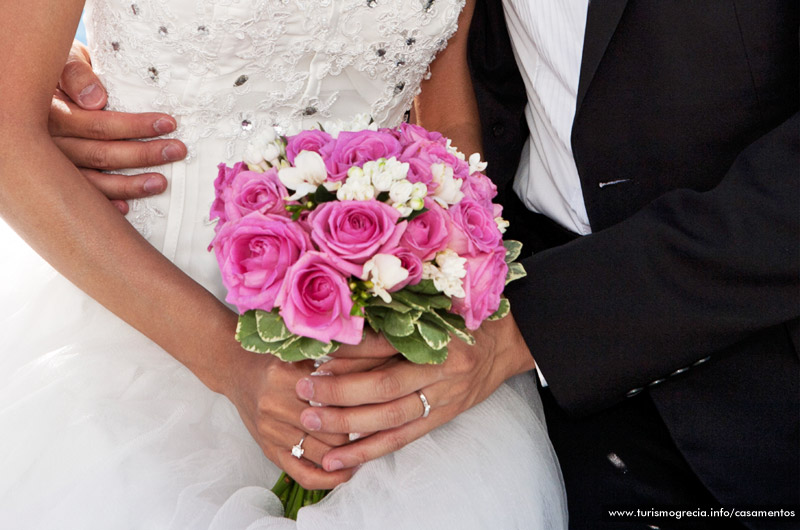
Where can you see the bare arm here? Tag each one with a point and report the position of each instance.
(47, 200)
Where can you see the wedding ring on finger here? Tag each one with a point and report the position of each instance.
(297, 450)
(426, 406)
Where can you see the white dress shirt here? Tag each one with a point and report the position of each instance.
(547, 37)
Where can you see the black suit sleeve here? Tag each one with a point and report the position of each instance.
(687, 276)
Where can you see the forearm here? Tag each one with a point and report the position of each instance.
(71, 225)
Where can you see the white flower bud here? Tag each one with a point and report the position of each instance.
(476, 165)
(502, 224)
(400, 192)
(384, 271)
(448, 190)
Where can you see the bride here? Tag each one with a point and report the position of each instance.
(125, 401)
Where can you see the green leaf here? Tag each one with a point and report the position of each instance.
(423, 287)
(415, 349)
(271, 327)
(422, 302)
(321, 194)
(433, 335)
(457, 327)
(313, 348)
(400, 324)
(513, 250)
(375, 316)
(416, 213)
(502, 311)
(289, 351)
(395, 304)
(247, 334)
(515, 272)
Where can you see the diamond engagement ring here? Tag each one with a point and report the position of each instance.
(427, 409)
(297, 450)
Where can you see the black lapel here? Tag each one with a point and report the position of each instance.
(601, 22)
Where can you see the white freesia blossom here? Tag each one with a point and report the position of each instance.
(305, 177)
(384, 271)
(416, 203)
(384, 172)
(400, 191)
(454, 150)
(448, 190)
(447, 273)
(265, 150)
(502, 224)
(476, 165)
(419, 190)
(357, 186)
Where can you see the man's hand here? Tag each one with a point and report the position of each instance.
(385, 400)
(96, 140)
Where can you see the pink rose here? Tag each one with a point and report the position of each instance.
(255, 192)
(316, 301)
(254, 254)
(356, 148)
(483, 285)
(427, 233)
(409, 133)
(309, 140)
(221, 183)
(422, 155)
(409, 262)
(351, 232)
(475, 229)
(479, 188)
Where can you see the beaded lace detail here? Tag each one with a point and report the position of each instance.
(226, 68)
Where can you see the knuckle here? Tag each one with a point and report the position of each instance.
(395, 441)
(72, 72)
(97, 156)
(389, 386)
(99, 129)
(394, 415)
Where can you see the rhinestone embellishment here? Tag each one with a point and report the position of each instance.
(241, 80)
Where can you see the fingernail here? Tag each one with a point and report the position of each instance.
(91, 96)
(305, 388)
(315, 403)
(335, 465)
(321, 372)
(164, 126)
(319, 361)
(311, 421)
(154, 185)
(172, 153)
(354, 436)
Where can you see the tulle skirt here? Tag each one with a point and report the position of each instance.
(102, 429)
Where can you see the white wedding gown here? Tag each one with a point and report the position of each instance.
(101, 429)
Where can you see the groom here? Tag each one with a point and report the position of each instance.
(668, 332)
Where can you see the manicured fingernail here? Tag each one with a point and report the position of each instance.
(311, 421)
(154, 185)
(91, 96)
(315, 403)
(305, 388)
(319, 361)
(171, 153)
(354, 436)
(321, 372)
(164, 126)
(335, 465)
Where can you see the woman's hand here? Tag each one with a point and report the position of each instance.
(386, 400)
(96, 140)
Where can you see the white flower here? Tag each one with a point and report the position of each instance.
(357, 186)
(447, 277)
(265, 150)
(476, 165)
(454, 150)
(419, 190)
(384, 172)
(306, 175)
(384, 271)
(502, 224)
(400, 192)
(448, 190)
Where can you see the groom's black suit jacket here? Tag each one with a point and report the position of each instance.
(689, 286)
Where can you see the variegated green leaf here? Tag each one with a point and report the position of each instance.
(515, 272)
(395, 304)
(375, 316)
(457, 327)
(415, 349)
(288, 350)
(247, 334)
(271, 327)
(513, 250)
(400, 324)
(423, 287)
(503, 310)
(436, 337)
(313, 349)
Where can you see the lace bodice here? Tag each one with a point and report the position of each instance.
(226, 69)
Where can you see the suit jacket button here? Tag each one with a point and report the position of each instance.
(498, 130)
(656, 382)
(633, 392)
(701, 361)
(679, 371)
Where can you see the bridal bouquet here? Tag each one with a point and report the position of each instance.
(323, 231)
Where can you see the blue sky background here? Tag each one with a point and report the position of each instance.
(81, 34)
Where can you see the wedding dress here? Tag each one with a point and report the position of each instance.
(100, 428)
